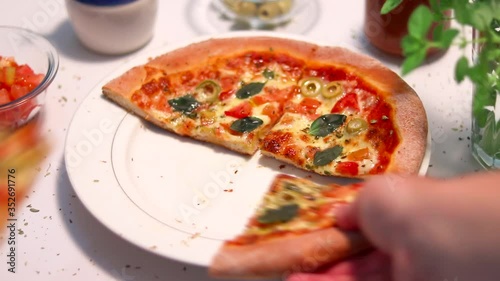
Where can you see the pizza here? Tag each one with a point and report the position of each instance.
(323, 109)
(292, 230)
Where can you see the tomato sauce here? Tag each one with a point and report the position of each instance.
(348, 101)
(273, 112)
(141, 100)
(150, 88)
(277, 141)
(327, 73)
(242, 110)
(382, 135)
(226, 94)
(348, 168)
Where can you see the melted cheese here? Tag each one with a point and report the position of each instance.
(219, 108)
(299, 126)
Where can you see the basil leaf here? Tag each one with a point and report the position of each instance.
(447, 38)
(414, 60)
(250, 89)
(461, 69)
(495, 26)
(484, 96)
(185, 104)
(420, 22)
(268, 74)
(283, 214)
(326, 124)
(293, 187)
(481, 15)
(411, 45)
(325, 157)
(389, 5)
(246, 124)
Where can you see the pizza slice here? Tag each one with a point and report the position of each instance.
(352, 117)
(230, 96)
(293, 229)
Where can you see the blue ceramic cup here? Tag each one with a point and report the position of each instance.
(113, 26)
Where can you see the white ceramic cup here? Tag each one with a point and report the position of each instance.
(113, 29)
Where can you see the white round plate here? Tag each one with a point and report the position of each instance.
(170, 195)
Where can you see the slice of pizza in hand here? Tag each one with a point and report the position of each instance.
(292, 230)
(352, 117)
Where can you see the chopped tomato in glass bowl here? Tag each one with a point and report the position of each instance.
(28, 64)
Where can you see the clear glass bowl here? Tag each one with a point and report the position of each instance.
(27, 47)
(259, 13)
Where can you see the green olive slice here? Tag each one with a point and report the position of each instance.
(207, 91)
(332, 89)
(310, 87)
(246, 8)
(356, 125)
(285, 5)
(232, 4)
(268, 11)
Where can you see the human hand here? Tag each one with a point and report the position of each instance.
(374, 266)
(423, 229)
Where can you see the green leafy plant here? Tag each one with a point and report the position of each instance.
(484, 16)
(483, 70)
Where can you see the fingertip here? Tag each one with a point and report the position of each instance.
(388, 181)
(300, 277)
(384, 207)
(385, 189)
(293, 277)
(346, 214)
(346, 217)
(318, 277)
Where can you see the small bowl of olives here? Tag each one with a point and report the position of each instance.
(258, 13)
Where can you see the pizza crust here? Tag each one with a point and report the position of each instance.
(121, 89)
(279, 257)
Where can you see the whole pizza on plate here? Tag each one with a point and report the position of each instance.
(324, 109)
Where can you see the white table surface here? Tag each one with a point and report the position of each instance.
(63, 241)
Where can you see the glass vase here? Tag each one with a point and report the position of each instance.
(486, 115)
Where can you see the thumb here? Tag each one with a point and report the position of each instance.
(381, 210)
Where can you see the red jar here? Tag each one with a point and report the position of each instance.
(386, 31)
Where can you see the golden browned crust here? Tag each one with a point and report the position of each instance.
(121, 89)
(291, 253)
(125, 85)
(410, 117)
(411, 121)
